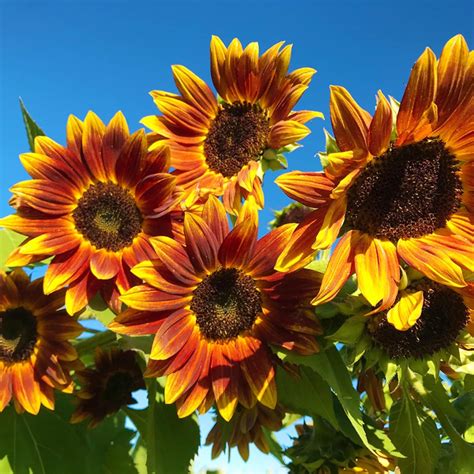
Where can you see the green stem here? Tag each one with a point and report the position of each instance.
(102, 338)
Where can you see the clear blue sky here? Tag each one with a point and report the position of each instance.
(72, 56)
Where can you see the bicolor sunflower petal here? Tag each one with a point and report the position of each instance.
(219, 144)
(215, 304)
(400, 186)
(35, 353)
(93, 206)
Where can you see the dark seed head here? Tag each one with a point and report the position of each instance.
(118, 390)
(409, 191)
(443, 317)
(236, 136)
(18, 335)
(108, 216)
(226, 303)
(294, 213)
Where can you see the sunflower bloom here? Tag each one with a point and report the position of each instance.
(247, 427)
(218, 145)
(92, 206)
(108, 386)
(404, 193)
(35, 353)
(215, 305)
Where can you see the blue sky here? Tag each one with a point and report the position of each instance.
(72, 56)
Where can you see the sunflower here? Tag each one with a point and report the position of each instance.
(92, 206)
(35, 353)
(246, 427)
(220, 144)
(401, 185)
(108, 386)
(215, 305)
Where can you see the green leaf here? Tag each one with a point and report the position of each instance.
(416, 436)
(32, 129)
(307, 394)
(39, 444)
(9, 241)
(171, 442)
(99, 309)
(350, 331)
(275, 448)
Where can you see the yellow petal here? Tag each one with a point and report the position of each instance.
(405, 313)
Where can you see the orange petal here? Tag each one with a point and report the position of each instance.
(286, 132)
(218, 55)
(34, 227)
(213, 213)
(332, 223)
(92, 136)
(131, 157)
(25, 388)
(309, 188)
(340, 268)
(80, 293)
(418, 96)
(138, 323)
(50, 244)
(5, 387)
(432, 261)
(104, 264)
(145, 298)
(155, 192)
(238, 247)
(194, 398)
(381, 127)
(350, 123)
(115, 136)
(405, 313)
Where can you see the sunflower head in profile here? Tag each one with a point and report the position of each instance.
(35, 353)
(294, 213)
(226, 144)
(399, 184)
(108, 386)
(92, 206)
(248, 426)
(215, 305)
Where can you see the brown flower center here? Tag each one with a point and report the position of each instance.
(108, 216)
(18, 334)
(118, 389)
(409, 191)
(236, 136)
(226, 303)
(443, 317)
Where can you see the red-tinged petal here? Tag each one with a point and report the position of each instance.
(5, 387)
(309, 188)
(194, 398)
(258, 371)
(173, 255)
(350, 123)
(46, 196)
(461, 223)
(80, 293)
(141, 248)
(144, 298)
(157, 275)
(115, 136)
(201, 244)
(405, 313)
(213, 213)
(218, 55)
(381, 127)
(157, 160)
(25, 388)
(452, 68)
(268, 249)
(238, 247)
(332, 224)
(431, 261)
(286, 132)
(138, 323)
(418, 96)
(375, 263)
(47, 396)
(340, 268)
(92, 136)
(181, 381)
(221, 376)
(154, 193)
(186, 353)
(35, 227)
(247, 175)
(304, 116)
(302, 75)
(17, 259)
(173, 334)
(299, 250)
(50, 244)
(61, 328)
(74, 131)
(66, 267)
(104, 264)
(194, 90)
(131, 158)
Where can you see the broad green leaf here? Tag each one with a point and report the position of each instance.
(275, 448)
(416, 436)
(100, 311)
(32, 128)
(39, 444)
(308, 394)
(9, 241)
(350, 331)
(171, 442)
(139, 457)
(138, 417)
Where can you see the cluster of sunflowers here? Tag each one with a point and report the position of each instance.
(355, 310)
